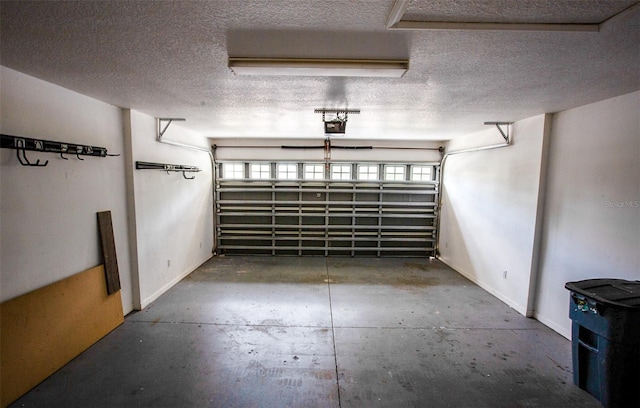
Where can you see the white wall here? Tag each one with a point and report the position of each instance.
(490, 201)
(584, 222)
(592, 212)
(48, 225)
(173, 217)
(163, 224)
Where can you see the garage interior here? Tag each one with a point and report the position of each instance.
(386, 217)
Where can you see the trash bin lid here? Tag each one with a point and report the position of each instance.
(614, 292)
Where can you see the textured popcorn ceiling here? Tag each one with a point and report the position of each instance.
(169, 59)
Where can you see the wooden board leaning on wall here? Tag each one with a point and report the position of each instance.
(44, 329)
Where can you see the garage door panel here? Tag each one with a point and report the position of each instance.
(325, 217)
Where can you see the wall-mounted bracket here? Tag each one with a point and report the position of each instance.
(162, 130)
(140, 165)
(337, 112)
(324, 110)
(506, 136)
(24, 144)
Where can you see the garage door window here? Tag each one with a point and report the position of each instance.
(367, 172)
(287, 171)
(421, 173)
(340, 172)
(233, 170)
(259, 171)
(314, 171)
(394, 172)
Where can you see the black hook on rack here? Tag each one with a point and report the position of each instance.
(22, 154)
(63, 149)
(22, 144)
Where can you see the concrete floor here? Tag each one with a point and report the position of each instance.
(321, 332)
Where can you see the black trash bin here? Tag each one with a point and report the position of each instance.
(605, 334)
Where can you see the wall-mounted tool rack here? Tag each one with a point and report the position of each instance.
(140, 165)
(24, 144)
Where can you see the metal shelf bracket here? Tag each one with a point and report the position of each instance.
(506, 135)
(162, 130)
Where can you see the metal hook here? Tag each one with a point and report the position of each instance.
(23, 159)
(78, 151)
(184, 174)
(63, 149)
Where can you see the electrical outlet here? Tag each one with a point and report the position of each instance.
(504, 274)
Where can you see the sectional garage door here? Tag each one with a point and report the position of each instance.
(348, 209)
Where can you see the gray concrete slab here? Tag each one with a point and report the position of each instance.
(453, 368)
(419, 293)
(316, 332)
(144, 364)
(248, 291)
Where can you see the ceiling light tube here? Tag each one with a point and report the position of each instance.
(319, 67)
(461, 26)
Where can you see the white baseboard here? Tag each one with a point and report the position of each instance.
(553, 326)
(147, 301)
(561, 330)
(510, 302)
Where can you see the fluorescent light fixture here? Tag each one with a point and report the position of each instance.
(319, 67)
(440, 25)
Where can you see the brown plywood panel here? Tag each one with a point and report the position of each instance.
(43, 330)
(109, 251)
